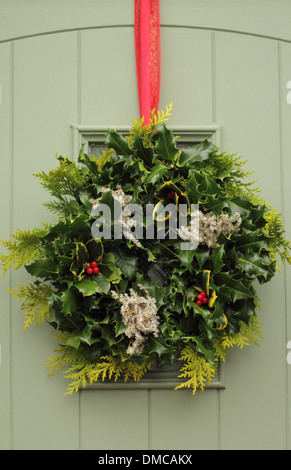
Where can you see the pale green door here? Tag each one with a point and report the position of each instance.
(67, 65)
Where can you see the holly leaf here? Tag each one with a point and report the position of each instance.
(201, 255)
(69, 301)
(251, 241)
(159, 346)
(84, 336)
(43, 267)
(231, 289)
(206, 327)
(95, 249)
(254, 264)
(111, 272)
(80, 224)
(125, 261)
(197, 153)
(107, 335)
(82, 254)
(238, 204)
(155, 174)
(143, 152)
(186, 258)
(118, 143)
(216, 258)
(210, 187)
(99, 284)
(200, 347)
(192, 188)
(166, 143)
(257, 214)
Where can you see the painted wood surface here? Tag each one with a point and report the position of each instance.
(22, 18)
(87, 77)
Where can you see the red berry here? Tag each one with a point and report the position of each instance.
(200, 297)
(203, 293)
(93, 264)
(170, 195)
(96, 270)
(198, 302)
(89, 270)
(205, 300)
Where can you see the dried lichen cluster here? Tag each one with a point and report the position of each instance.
(139, 315)
(206, 228)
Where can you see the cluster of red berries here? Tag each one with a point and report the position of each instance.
(92, 268)
(201, 298)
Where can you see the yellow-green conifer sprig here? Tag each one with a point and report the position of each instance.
(23, 248)
(196, 369)
(248, 334)
(81, 372)
(33, 300)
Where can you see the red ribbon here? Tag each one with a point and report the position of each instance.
(148, 55)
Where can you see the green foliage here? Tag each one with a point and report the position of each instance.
(139, 130)
(196, 369)
(66, 179)
(82, 372)
(63, 183)
(249, 334)
(33, 301)
(278, 247)
(148, 167)
(23, 248)
(229, 170)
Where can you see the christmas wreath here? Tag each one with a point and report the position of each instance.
(121, 301)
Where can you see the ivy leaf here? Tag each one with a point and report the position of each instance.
(118, 143)
(166, 144)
